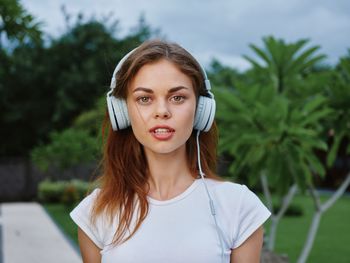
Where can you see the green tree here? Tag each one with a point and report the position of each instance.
(275, 138)
(338, 92)
(18, 31)
(283, 64)
(16, 24)
(68, 148)
(271, 132)
(224, 76)
(44, 88)
(272, 140)
(86, 124)
(79, 144)
(339, 96)
(264, 131)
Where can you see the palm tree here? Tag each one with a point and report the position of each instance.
(339, 97)
(284, 63)
(291, 159)
(266, 131)
(273, 139)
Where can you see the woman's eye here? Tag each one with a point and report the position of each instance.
(178, 98)
(143, 100)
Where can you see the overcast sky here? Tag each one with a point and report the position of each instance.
(218, 28)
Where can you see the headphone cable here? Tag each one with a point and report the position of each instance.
(211, 203)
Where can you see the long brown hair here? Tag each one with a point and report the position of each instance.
(124, 179)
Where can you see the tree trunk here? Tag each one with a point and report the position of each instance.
(310, 237)
(272, 233)
(275, 217)
(320, 209)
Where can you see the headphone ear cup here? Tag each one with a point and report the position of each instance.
(205, 113)
(118, 113)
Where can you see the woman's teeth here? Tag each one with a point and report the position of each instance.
(161, 131)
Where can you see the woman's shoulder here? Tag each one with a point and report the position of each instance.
(90, 197)
(81, 215)
(241, 210)
(233, 194)
(85, 206)
(94, 193)
(226, 187)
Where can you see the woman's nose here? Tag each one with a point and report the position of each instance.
(162, 110)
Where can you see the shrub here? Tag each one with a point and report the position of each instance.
(70, 195)
(293, 210)
(66, 192)
(51, 192)
(67, 149)
(81, 187)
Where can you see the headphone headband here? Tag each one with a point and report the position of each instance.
(121, 62)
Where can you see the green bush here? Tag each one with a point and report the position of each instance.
(70, 195)
(67, 149)
(293, 210)
(51, 192)
(82, 187)
(65, 192)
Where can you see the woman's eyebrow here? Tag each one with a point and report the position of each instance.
(172, 90)
(143, 89)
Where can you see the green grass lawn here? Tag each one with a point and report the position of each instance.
(332, 242)
(60, 214)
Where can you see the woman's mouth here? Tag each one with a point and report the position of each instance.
(162, 133)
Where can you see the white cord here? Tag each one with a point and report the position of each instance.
(211, 203)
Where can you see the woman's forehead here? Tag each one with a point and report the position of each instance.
(162, 74)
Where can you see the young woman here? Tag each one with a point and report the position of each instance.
(159, 198)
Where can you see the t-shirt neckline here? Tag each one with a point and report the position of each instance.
(176, 198)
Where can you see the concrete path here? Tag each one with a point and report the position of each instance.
(27, 234)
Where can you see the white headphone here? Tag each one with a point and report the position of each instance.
(118, 112)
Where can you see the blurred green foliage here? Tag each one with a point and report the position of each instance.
(264, 131)
(338, 93)
(67, 149)
(276, 118)
(17, 24)
(51, 192)
(45, 84)
(293, 210)
(65, 192)
(283, 64)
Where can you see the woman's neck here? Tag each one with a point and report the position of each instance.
(169, 174)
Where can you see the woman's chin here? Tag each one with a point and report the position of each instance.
(165, 149)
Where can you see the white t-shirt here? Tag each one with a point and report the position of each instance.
(181, 229)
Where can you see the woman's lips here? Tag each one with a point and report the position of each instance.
(162, 133)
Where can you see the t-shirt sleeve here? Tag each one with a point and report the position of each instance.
(81, 216)
(252, 214)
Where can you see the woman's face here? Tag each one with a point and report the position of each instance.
(161, 105)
